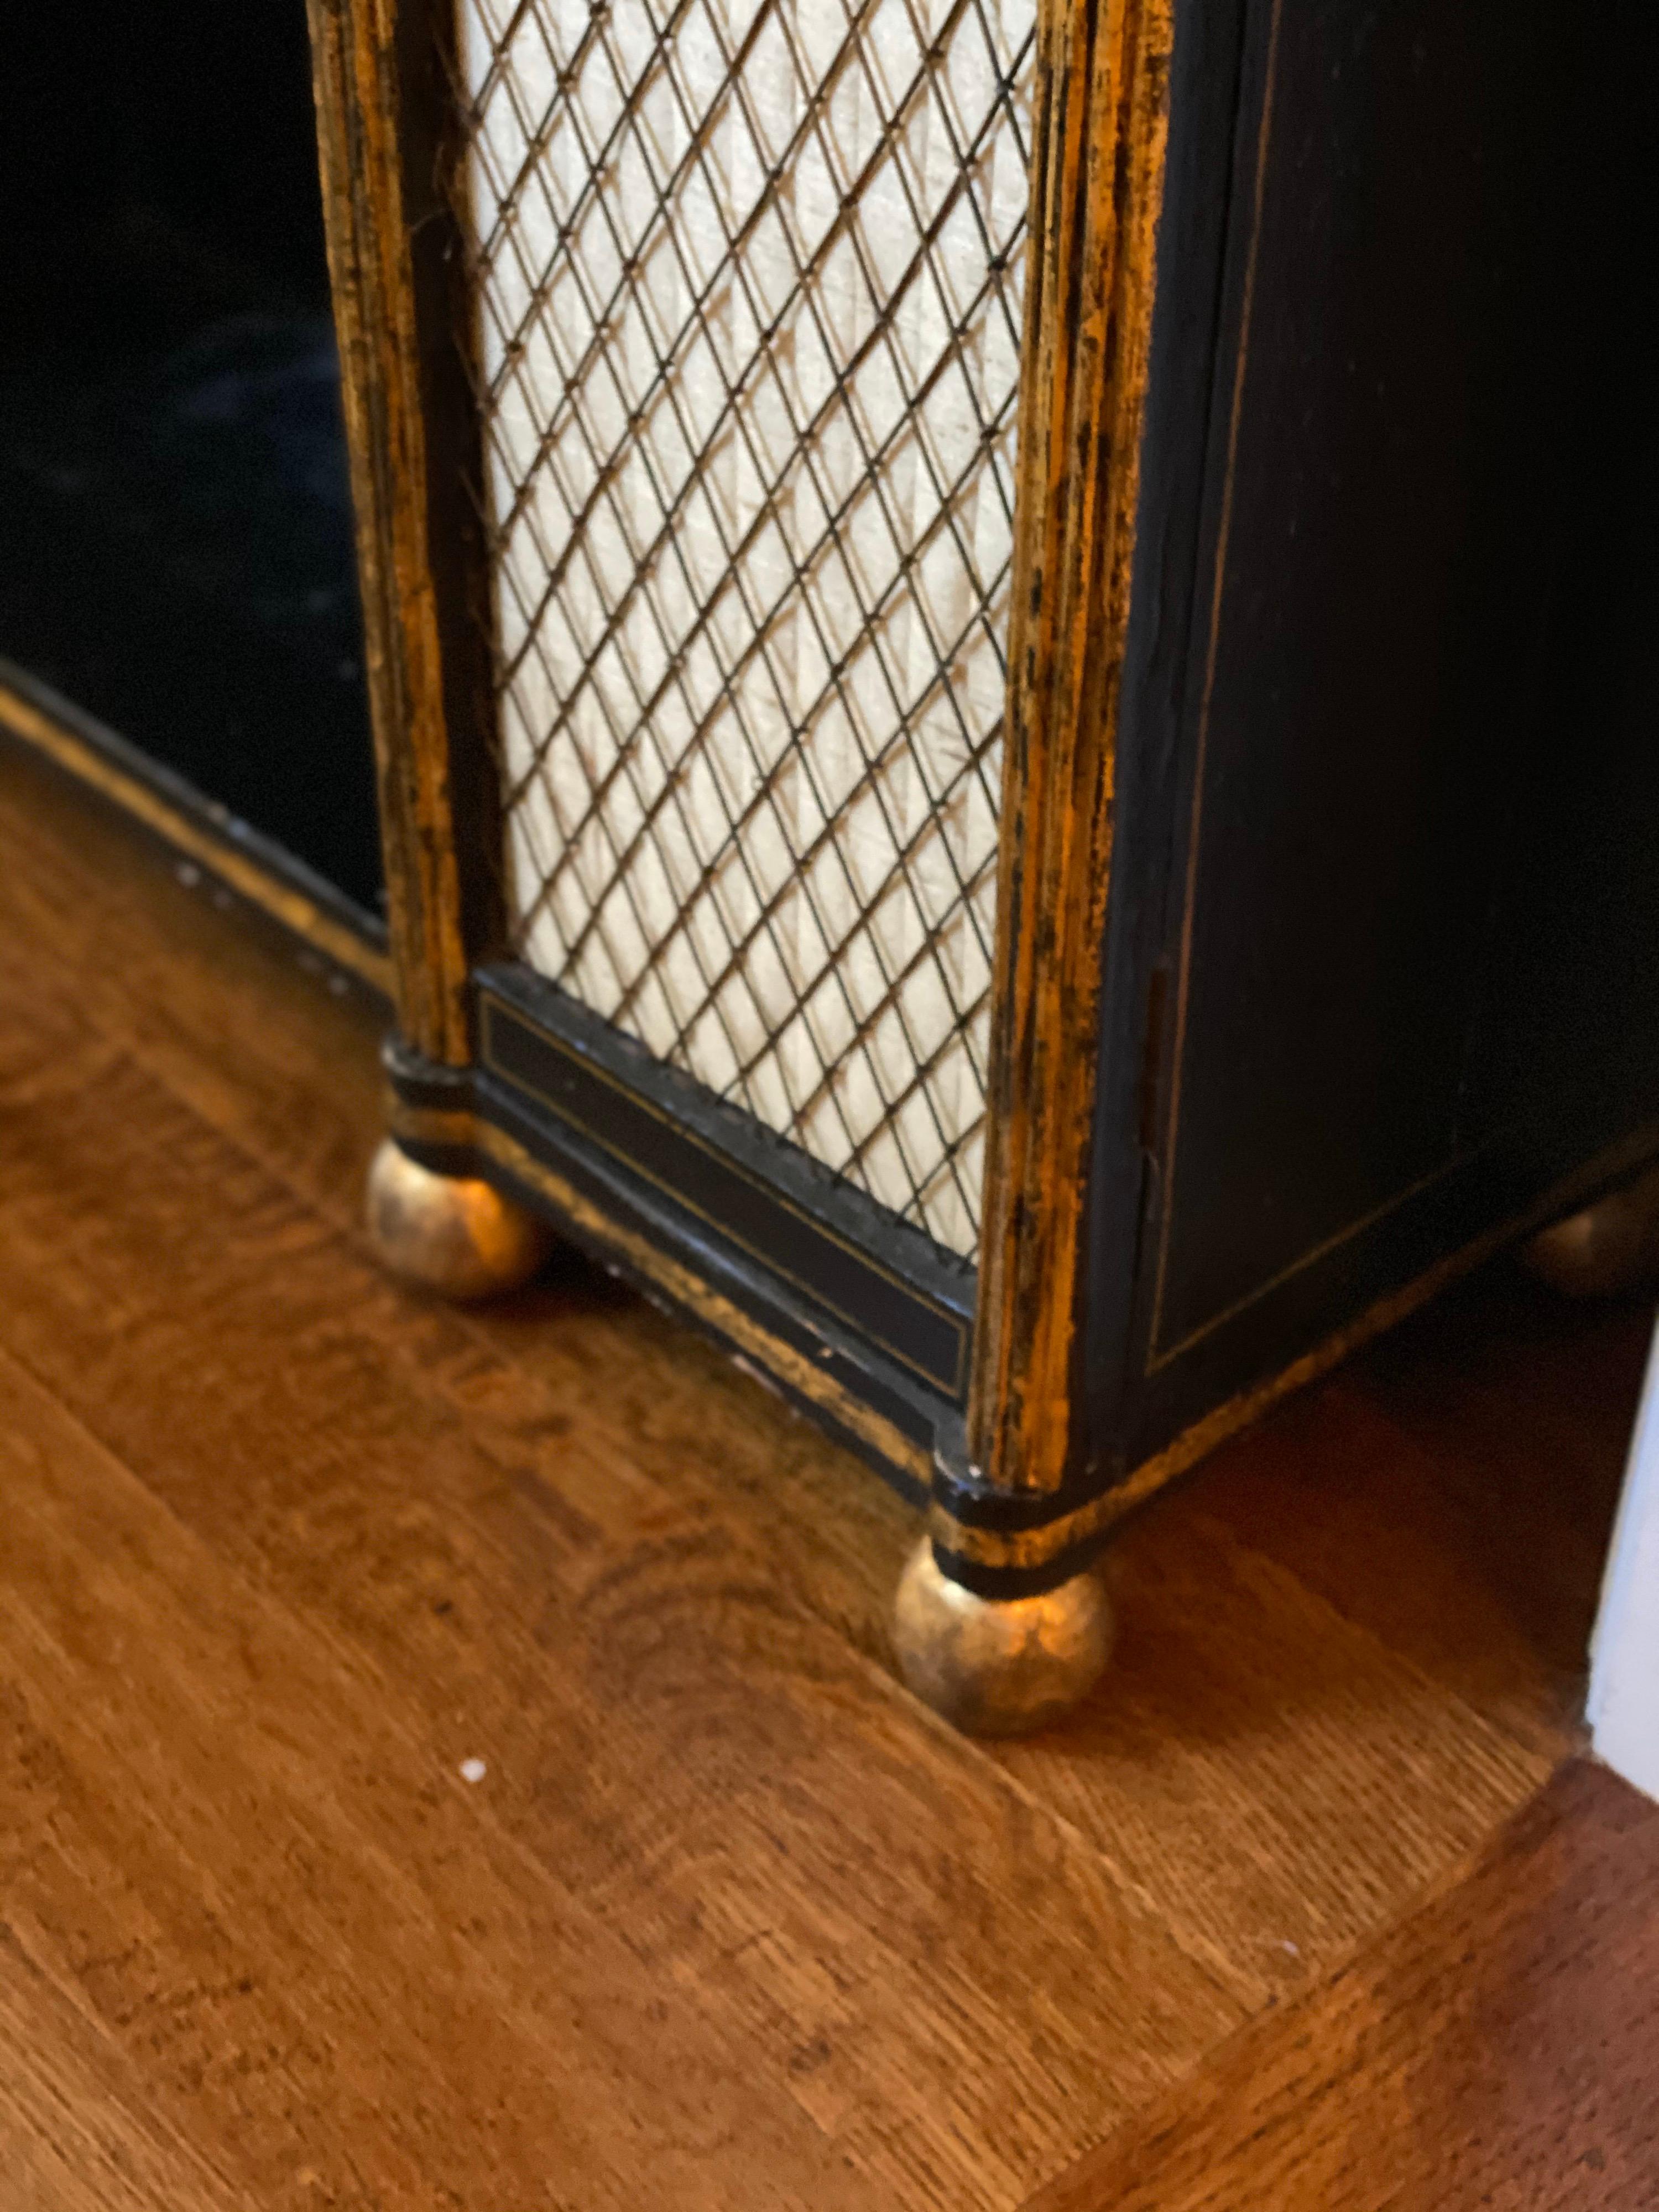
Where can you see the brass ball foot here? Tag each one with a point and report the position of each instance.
(999, 1666)
(455, 1235)
(1604, 1249)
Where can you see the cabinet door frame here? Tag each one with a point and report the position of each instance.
(1005, 1459)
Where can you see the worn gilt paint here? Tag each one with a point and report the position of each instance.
(1097, 179)
(217, 851)
(1101, 97)
(359, 105)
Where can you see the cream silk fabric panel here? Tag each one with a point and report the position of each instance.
(749, 282)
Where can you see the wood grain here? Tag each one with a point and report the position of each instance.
(254, 1032)
(1496, 2051)
(1277, 1778)
(358, 69)
(281, 1900)
(331, 1550)
(284, 1546)
(1274, 1777)
(193, 832)
(77, 2126)
(1277, 1692)
(1452, 1491)
(1100, 98)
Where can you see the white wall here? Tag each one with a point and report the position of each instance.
(1624, 1694)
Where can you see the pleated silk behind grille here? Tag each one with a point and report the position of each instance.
(750, 283)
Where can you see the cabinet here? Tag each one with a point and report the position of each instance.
(1011, 658)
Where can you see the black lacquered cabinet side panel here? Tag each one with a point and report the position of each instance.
(1381, 950)
(1206, 168)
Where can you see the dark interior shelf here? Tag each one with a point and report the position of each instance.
(175, 527)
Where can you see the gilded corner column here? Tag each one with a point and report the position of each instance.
(1097, 179)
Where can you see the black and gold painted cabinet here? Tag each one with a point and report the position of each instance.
(1012, 662)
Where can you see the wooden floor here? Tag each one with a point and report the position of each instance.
(1316, 1907)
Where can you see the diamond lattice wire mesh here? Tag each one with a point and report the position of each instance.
(750, 278)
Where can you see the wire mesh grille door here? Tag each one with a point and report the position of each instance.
(750, 276)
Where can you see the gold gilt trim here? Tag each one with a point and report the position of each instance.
(591, 1067)
(358, 63)
(457, 1127)
(1101, 123)
(1035, 1547)
(234, 865)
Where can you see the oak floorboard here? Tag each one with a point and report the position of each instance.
(1454, 1487)
(932, 1991)
(566, 1534)
(257, 1033)
(76, 2126)
(331, 1956)
(245, 1031)
(1270, 1779)
(1450, 1490)
(1273, 1774)
(1496, 2051)
(1277, 1760)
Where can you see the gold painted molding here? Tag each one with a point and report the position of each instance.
(220, 854)
(358, 63)
(1101, 100)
